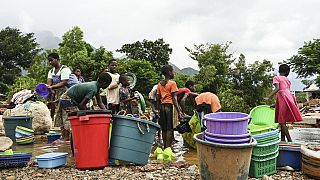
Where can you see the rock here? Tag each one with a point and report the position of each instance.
(192, 168)
(5, 143)
(10, 178)
(41, 121)
(149, 176)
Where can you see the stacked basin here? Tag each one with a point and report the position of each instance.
(24, 135)
(224, 148)
(263, 129)
(264, 155)
(227, 128)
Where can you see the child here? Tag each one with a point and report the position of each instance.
(287, 109)
(77, 72)
(166, 93)
(111, 94)
(125, 94)
(79, 95)
(184, 93)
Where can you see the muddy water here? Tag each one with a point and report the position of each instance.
(41, 146)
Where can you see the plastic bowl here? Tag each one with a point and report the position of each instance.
(42, 90)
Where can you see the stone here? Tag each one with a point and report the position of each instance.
(41, 121)
(5, 143)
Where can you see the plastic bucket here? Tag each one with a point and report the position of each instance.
(263, 115)
(42, 90)
(90, 136)
(229, 123)
(132, 139)
(289, 156)
(11, 122)
(223, 161)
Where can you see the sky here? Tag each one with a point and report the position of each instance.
(259, 29)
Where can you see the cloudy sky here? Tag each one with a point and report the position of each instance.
(259, 29)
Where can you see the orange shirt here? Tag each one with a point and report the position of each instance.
(209, 98)
(166, 90)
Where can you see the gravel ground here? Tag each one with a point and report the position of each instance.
(153, 170)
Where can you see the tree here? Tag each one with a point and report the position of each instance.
(73, 49)
(144, 71)
(213, 61)
(238, 85)
(76, 53)
(306, 62)
(251, 82)
(16, 53)
(97, 62)
(40, 67)
(156, 52)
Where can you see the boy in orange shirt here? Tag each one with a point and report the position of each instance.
(166, 95)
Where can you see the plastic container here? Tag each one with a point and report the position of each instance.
(258, 129)
(263, 115)
(226, 141)
(90, 138)
(11, 122)
(229, 123)
(132, 139)
(261, 166)
(289, 156)
(53, 136)
(223, 161)
(52, 160)
(263, 149)
(42, 90)
(18, 159)
(223, 136)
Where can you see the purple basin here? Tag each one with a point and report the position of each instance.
(42, 90)
(227, 141)
(223, 136)
(227, 123)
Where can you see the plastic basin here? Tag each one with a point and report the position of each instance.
(263, 115)
(42, 90)
(223, 161)
(223, 136)
(229, 123)
(226, 141)
(52, 160)
(289, 156)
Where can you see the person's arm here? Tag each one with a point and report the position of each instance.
(61, 84)
(183, 101)
(277, 88)
(158, 102)
(176, 105)
(99, 101)
(82, 105)
(128, 99)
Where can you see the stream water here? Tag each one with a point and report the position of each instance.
(41, 146)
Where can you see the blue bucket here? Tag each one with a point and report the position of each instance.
(132, 139)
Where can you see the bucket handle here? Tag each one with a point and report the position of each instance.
(138, 125)
(141, 131)
(84, 118)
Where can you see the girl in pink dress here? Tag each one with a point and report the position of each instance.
(287, 109)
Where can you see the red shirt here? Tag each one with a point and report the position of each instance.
(181, 92)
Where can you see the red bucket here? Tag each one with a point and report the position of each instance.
(90, 135)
